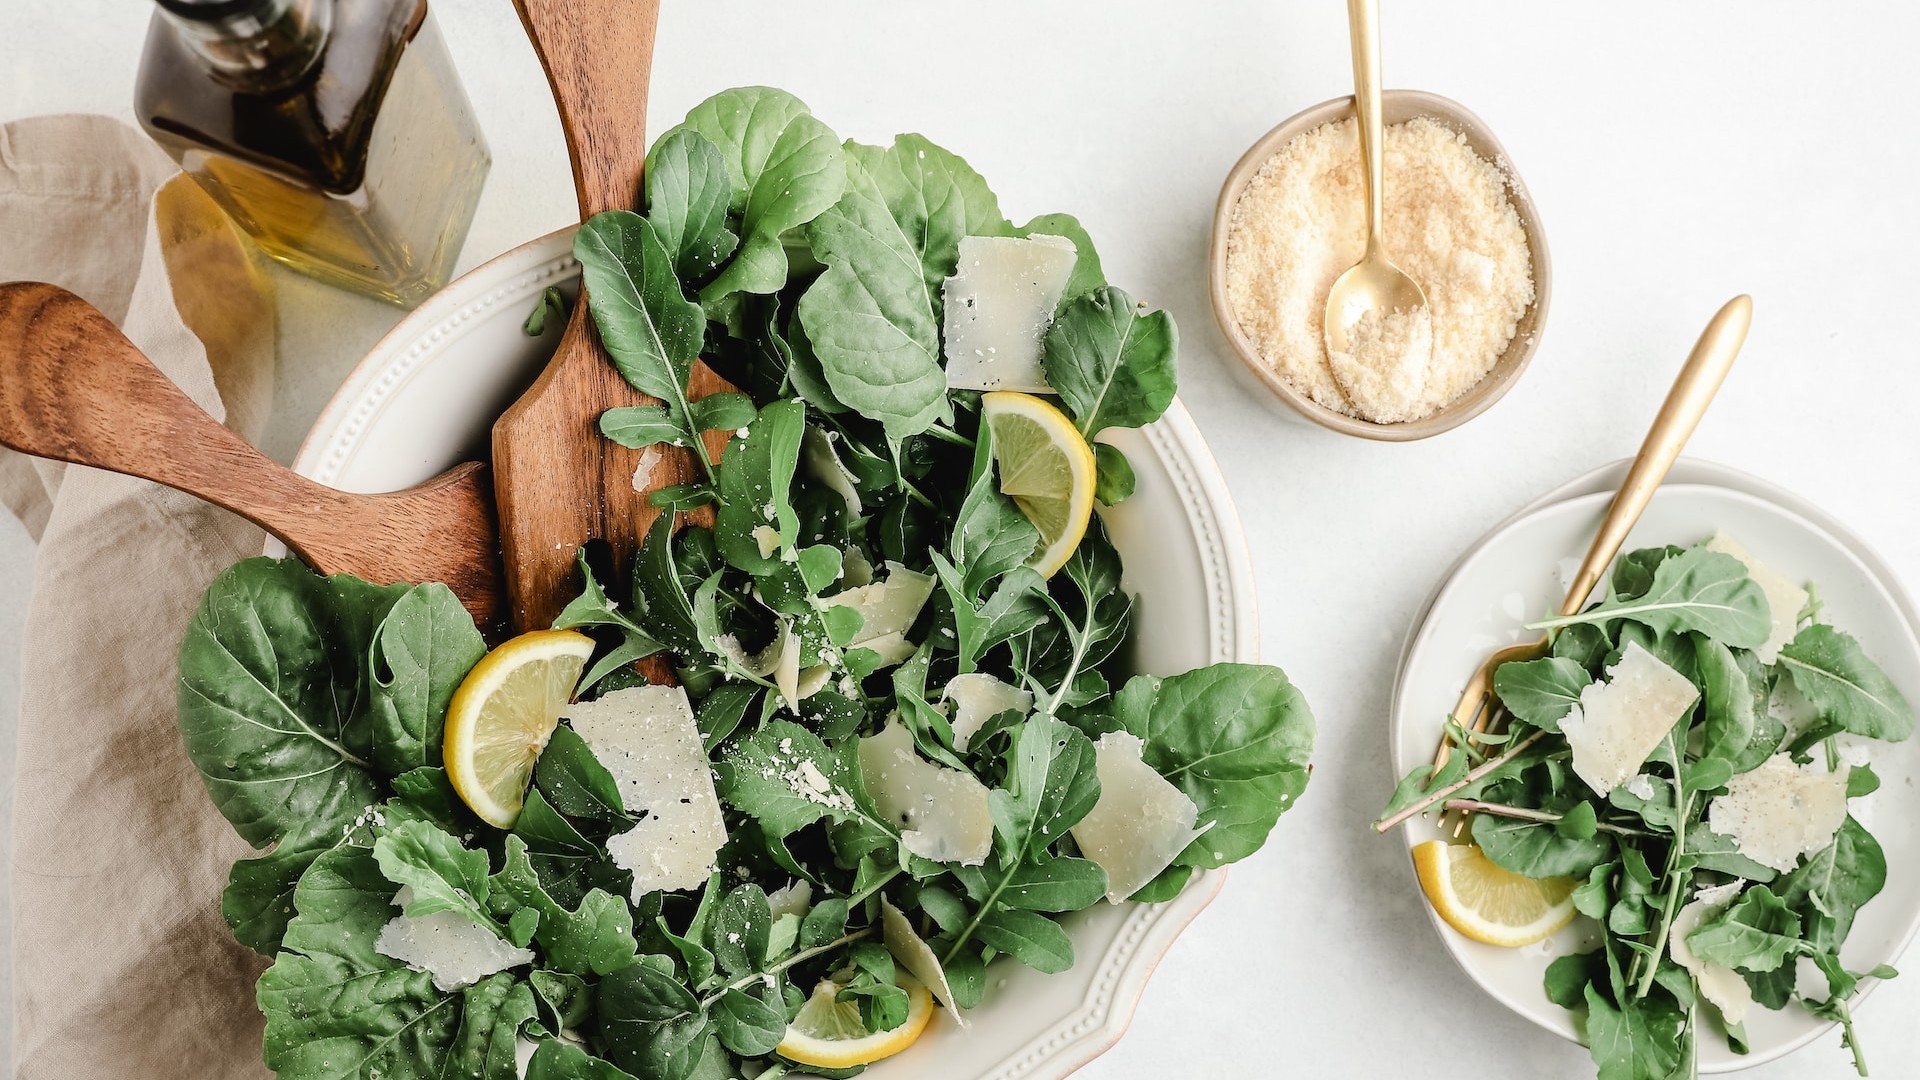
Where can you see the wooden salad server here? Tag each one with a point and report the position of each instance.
(558, 481)
(73, 388)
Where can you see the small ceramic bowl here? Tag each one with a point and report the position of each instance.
(1396, 106)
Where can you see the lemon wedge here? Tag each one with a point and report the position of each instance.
(502, 716)
(828, 1034)
(1046, 468)
(1487, 903)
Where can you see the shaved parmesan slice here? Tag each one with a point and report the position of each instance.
(767, 539)
(643, 469)
(786, 670)
(999, 303)
(893, 648)
(1781, 811)
(454, 949)
(914, 954)
(1785, 600)
(887, 607)
(794, 898)
(1141, 821)
(646, 737)
(813, 680)
(1620, 721)
(823, 464)
(942, 812)
(977, 698)
(1719, 984)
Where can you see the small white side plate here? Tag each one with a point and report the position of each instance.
(1515, 575)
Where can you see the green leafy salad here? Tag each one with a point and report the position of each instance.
(1679, 771)
(903, 745)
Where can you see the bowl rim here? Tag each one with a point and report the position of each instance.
(1511, 364)
(1149, 932)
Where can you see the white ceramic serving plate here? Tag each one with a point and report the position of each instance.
(425, 399)
(1516, 573)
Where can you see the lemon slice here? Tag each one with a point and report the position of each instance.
(502, 716)
(829, 1034)
(1487, 903)
(1046, 468)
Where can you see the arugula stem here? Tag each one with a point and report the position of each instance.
(947, 434)
(1847, 1036)
(1443, 794)
(1521, 813)
(800, 957)
(974, 923)
(1648, 965)
(861, 896)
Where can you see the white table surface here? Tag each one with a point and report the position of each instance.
(1679, 153)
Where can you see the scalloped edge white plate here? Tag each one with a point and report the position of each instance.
(1513, 572)
(424, 399)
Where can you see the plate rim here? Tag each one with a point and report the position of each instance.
(1592, 485)
(1147, 932)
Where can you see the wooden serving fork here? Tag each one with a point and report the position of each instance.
(1479, 710)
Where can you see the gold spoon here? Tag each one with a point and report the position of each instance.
(1706, 367)
(1374, 284)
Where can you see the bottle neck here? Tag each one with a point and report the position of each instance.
(253, 45)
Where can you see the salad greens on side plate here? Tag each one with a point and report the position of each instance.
(1681, 767)
(924, 752)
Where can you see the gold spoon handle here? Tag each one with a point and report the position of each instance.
(1363, 22)
(1692, 392)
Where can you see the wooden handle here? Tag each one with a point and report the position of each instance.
(73, 388)
(598, 56)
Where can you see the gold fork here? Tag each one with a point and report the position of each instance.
(1479, 711)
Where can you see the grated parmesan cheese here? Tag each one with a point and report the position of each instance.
(1785, 600)
(646, 737)
(454, 949)
(1620, 721)
(1781, 811)
(999, 303)
(1448, 223)
(1140, 823)
(1718, 983)
(977, 698)
(942, 812)
(1385, 372)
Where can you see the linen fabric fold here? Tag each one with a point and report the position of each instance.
(122, 964)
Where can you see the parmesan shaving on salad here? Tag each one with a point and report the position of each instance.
(999, 303)
(1620, 721)
(454, 949)
(1141, 822)
(942, 812)
(1781, 811)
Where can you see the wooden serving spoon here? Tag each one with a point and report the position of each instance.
(558, 481)
(73, 388)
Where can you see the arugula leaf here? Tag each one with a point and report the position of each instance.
(1087, 273)
(423, 649)
(1697, 590)
(785, 777)
(575, 782)
(335, 1007)
(653, 1026)
(1051, 784)
(1540, 851)
(1111, 365)
(784, 166)
(756, 482)
(1029, 937)
(443, 875)
(652, 331)
(1542, 691)
(1113, 475)
(688, 192)
(747, 1023)
(738, 932)
(1834, 883)
(1757, 933)
(593, 940)
(551, 305)
(936, 197)
(872, 317)
(556, 1059)
(1830, 669)
(991, 537)
(1235, 738)
(1639, 1040)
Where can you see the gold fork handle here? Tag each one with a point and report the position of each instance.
(1688, 400)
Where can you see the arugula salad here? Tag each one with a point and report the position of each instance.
(1678, 771)
(903, 744)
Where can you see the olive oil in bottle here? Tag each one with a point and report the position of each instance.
(334, 131)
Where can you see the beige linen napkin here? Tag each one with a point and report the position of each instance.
(122, 965)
